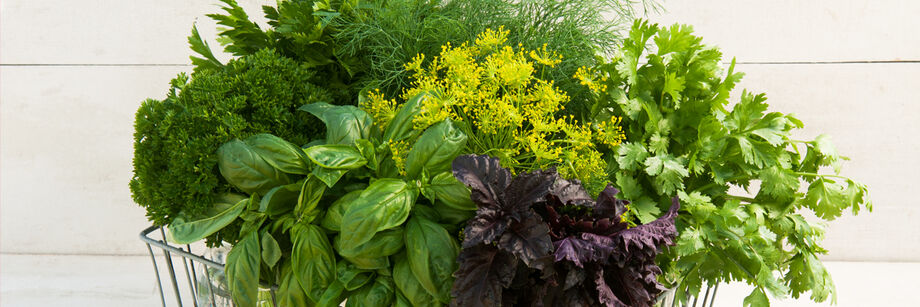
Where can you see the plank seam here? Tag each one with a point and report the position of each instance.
(726, 63)
(95, 65)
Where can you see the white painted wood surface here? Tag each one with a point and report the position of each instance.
(74, 72)
(811, 31)
(106, 281)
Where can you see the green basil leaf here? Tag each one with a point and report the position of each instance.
(336, 156)
(385, 204)
(400, 126)
(401, 300)
(281, 154)
(379, 294)
(445, 188)
(409, 286)
(329, 176)
(313, 259)
(344, 124)
(451, 215)
(432, 254)
(384, 243)
(333, 218)
(435, 149)
(370, 263)
(333, 296)
(185, 230)
(369, 151)
(253, 224)
(245, 169)
(281, 199)
(310, 194)
(426, 212)
(290, 293)
(351, 276)
(242, 271)
(271, 251)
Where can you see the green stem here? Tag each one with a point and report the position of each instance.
(818, 175)
(741, 198)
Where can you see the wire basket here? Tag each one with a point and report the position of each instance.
(204, 278)
(207, 284)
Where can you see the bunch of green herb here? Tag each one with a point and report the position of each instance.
(384, 35)
(176, 139)
(684, 138)
(495, 94)
(335, 218)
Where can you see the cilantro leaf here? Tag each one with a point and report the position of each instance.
(826, 198)
(778, 182)
(631, 155)
(757, 298)
(668, 171)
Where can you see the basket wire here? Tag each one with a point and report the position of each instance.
(188, 262)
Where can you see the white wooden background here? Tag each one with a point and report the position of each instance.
(72, 74)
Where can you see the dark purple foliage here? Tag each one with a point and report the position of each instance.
(500, 199)
(540, 240)
(484, 271)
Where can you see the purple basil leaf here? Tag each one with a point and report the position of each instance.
(608, 206)
(485, 177)
(570, 193)
(644, 241)
(484, 270)
(588, 248)
(570, 249)
(526, 189)
(577, 297)
(486, 227)
(604, 294)
(635, 285)
(574, 278)
(529, 241)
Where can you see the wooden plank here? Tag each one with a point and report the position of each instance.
(790, 30)
(67, 135)
(872, 114)
(154, 32)
(107, 31)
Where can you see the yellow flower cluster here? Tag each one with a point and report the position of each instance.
(610, 132)
(380, 109)
(546, 58)
(588, 166)
(495, 95)
(399, 150)
(591, 79)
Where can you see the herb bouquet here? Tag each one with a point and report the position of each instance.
(417, 153)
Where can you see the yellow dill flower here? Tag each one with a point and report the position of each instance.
(610, 132)
(587, 166)
(544, 152)
(546, 58)
(579, 136)
(509, 112)
(489, 39)
(544, 100)
(496, 115)
(589, 78)
(380, 109)
(399, 151)
(513, 69)
(416, 63)
(434, 110)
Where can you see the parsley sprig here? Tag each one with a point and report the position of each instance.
(685, 138)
